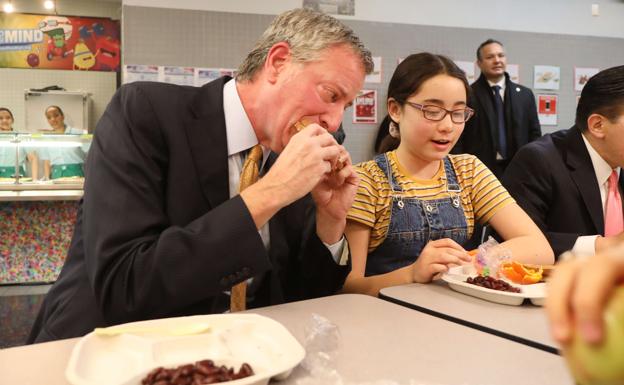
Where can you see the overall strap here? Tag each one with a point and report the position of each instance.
(384, 164)
(452, 184)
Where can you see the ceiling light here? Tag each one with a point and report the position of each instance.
(8, 7)
(48, 4)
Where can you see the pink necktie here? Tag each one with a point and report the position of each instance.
(614, 219)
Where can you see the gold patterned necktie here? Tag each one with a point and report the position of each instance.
(249, 175)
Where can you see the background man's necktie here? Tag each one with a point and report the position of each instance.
(249, 176)
(500, 115)
(614, 219)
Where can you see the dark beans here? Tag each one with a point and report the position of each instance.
(200, 373)
(492, 283)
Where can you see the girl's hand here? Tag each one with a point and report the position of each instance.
(437, 257)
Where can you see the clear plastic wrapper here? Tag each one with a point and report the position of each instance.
(488, 259)
(322, 345)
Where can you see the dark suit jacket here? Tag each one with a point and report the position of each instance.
(554, 181)
(157, 235)
(480, 136)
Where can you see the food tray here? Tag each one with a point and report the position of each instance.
(232, 339)
(456, 280)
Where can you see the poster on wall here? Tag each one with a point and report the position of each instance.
(332, 7)
(546, 77)
(582, 75)
(206, 75)
(183, 76)
(365, 107)
(375, 76)
(547, 110)
(59, 42)
(469, 69)
(140, 73)
(514, 72)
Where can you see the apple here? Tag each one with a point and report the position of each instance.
(601, 364)
(33, 60)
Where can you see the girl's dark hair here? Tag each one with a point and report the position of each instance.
(416, 69)
(9, 111)
(382, 133)
(603, 94)
(388, 143)
(57, 107)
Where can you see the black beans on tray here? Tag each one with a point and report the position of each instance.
(492, 283)
(200, 373)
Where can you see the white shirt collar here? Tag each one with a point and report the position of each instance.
(501, 84)
(601, 167)
(239, 131)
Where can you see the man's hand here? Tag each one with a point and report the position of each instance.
(606, 243)
(305, 163)
(333, 197)
(578, 292)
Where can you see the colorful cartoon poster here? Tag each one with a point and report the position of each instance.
(139, 72)
(183, 76)
(514, 72)
(206, 75)
(547, 109)
(375, 76)
(469, 69)
(365, 107)
(546, 77)
(59, 42)
(582, 75)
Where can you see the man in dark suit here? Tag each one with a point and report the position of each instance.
(568, 181)
(505, 112)
(162, 230)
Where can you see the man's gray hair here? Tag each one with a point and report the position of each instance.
(308, 33)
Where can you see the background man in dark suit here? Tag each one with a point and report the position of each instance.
(562, 180)
(162, 230)
(505, 112)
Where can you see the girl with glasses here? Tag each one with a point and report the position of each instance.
(417, 205)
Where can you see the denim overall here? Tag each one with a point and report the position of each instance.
(415, 222)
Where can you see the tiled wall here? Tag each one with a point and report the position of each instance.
(219, 39)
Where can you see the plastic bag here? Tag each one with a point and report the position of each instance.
(489, 257)
(322, 343)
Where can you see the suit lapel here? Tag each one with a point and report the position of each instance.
(584, 176)
(208, 142)
(512, 109)
(485, 96)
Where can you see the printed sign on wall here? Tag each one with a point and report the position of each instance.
(547, 110)
(59, 42)
(365, 107)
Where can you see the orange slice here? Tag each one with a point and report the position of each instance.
(522, 274)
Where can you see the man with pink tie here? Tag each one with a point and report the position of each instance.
(570, 182)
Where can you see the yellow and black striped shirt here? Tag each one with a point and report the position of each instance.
(482, 195)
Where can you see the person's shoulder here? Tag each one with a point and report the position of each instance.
(369, 167)
(465, 161)
(518, 89)
(155, 88)
(371, 171)
(543, 145)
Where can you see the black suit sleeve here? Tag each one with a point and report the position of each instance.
(535, 130)
(139, 264)
(531, 183)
